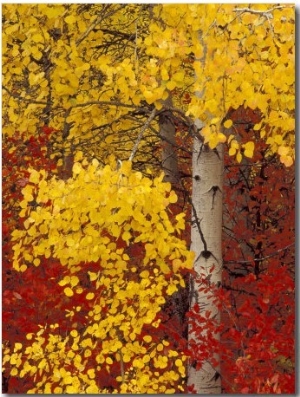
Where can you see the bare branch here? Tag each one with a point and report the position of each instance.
(146, 125)
(19, 98)
(106, 103)
(261, 259)
(266, 13)
(94, 24)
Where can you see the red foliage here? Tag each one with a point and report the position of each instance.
(258, 244)
(257, 299)
(34, 297)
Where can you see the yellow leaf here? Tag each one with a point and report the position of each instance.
(34, 176)
(138, 363)
(77, 168)
(171, 85)
(257, 127)
(235, 144)
(91, 373)
(42, 364)
(72, 389)
(126, 167)
(18, 346)
(53, 11)
(171, 289)
(93, 276)
(70, 19)
(87, 353)
(263, 133)
(64, 281)
(92, 389)
(67, 380)
(239, 157)
(74, 281)
(36, 262)
(230, 138)
(228, 123)
(164, 74)
(23, 268)
(206, 132)
(286, 160)
(78, 156)
(249, 148)
(214, 121)
(147, 338)
(176, 264)
(73, 80)
(126, 236)
(90, 296)
(144, 274)
(87, 343)
(178, 76)
(136, 100)
(213, 141)
(109, 139)
(149, 96)
(158, 105)
(160, 362)
(74, 333)
(68, 291)
(278, 139)
(232, 151)
(283, 150)
(221, 137)
(146, 358)
(109, 360)
(178, 363)
(173, 197)
(248, 153)
(37, 38)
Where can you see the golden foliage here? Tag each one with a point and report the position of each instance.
(116, 205)
(86, 69)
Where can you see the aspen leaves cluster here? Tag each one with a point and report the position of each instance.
(239, 55)
(115, 209)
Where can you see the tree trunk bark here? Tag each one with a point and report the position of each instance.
(169, 156)
(177, 304)
(206, 235)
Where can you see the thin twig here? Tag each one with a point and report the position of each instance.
(107, 103)
(17, 97)
(265, 13)
(259, 259)
(151, 117)
(93, 25)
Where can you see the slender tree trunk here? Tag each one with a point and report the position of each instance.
(177, 304)
(169, 156)
(206, 237)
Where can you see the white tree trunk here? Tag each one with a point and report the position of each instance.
(206, 237)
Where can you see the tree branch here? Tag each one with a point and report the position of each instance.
(16, 96)
(93, 25)
(151, 117)
(266, 13)
(259, 259)
(108, 103)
